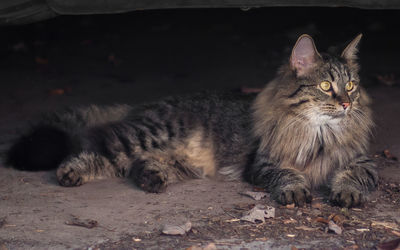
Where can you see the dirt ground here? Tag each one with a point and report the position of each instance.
(142, 56)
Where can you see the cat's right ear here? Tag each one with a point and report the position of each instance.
(350, 52)
(304, 55)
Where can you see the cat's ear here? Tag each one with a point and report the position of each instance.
(350, 52)
(304, 55)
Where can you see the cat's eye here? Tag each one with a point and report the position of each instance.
(325, 85)
(349, 86)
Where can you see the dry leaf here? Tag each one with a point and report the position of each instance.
(56, 92)
(335, 228)
(388, 155)
(290, 206)
(75, 221)
(261, 239)
(210, 246)
(337, 218)
(305, 228)
(259, 213)
(41, 60)
(389, 225)
(289, 221)
(322, 220)
(176, 230)
(352, 247)
(258, 189)
(232, 220)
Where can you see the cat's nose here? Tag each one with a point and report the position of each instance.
(345, 105)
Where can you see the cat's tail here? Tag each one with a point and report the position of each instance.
(43, 148)
(58, 135)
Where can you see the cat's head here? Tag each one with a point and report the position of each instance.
(326, 87)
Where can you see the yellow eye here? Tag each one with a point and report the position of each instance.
(325, 85)
(350, 86)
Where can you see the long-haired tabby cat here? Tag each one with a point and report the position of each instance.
(310, 126)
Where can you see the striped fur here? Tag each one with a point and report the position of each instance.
(292, 137)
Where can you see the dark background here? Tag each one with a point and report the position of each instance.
(175, 51)
(144, 55)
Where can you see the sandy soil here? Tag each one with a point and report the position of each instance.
(143, 56)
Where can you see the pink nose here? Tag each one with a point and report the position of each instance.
(345, 105)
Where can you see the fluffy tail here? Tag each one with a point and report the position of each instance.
(42, 149)
(58, 135)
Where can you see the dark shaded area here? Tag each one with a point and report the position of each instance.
(42, 149)
(183, 44)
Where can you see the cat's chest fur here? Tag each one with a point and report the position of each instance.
(316, 149)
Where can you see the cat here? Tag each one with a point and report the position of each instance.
(310, 126)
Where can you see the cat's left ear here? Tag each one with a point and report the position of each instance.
(304, 56)
(350, 52)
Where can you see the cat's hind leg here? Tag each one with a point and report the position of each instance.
(151, 175)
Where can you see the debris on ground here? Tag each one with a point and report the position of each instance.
(389, 225)
(290, 206)
(176, 230)
(75, 221)
(390, 245)
(337, 218)
(388, 155)
(332, 226)
(59, 91)
(388, 79)
(255, 195)
(259, 213)
(210, 246)
(112, 59)
(3, 246)
(2, 221)
(20, 46)
(41, 60)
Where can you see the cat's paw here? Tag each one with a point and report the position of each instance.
(67, 176)
(298, 193)
(152, 181)
(347, 196)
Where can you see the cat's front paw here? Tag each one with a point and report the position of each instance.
(152, 181)
(298, 193)
(67, 176)
(347, 196)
